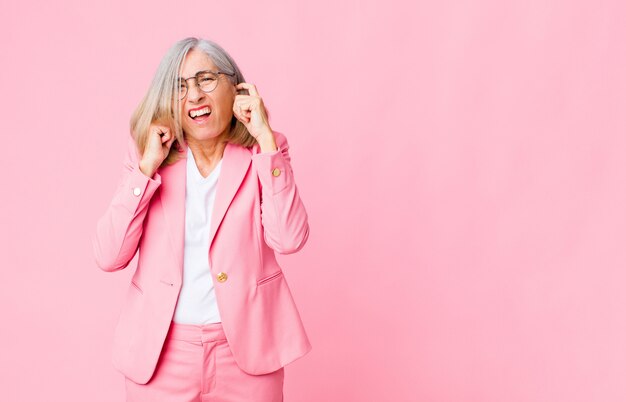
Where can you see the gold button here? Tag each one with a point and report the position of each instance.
(276, 171)
(222, 277)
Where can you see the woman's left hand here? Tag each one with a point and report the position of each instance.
(249, 110)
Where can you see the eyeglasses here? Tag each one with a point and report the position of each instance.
(206, 80)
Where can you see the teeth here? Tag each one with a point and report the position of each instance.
(196, 113)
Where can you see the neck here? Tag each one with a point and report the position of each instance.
(207, 152)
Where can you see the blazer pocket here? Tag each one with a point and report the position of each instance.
(269, 278)
(136, 287)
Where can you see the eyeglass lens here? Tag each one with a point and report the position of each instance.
(207, 82)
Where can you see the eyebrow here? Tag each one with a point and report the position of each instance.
(198, 72)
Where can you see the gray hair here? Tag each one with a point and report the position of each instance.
(160, 105)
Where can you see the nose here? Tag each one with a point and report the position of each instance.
(194, 93)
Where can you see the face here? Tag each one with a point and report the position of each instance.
(219, 101)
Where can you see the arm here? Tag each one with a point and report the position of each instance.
(118, 231)
(283, 216)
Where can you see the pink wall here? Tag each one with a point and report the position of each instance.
(462, 164)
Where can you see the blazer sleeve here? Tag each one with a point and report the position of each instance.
(119, 229)
(283, 215)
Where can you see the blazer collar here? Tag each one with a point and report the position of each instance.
(235, 163)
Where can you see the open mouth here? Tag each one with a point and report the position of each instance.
(200, 114)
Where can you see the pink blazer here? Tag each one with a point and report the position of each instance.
(257, 213)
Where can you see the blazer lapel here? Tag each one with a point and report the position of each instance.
(235, 164)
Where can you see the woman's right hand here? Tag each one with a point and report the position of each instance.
(160, 139)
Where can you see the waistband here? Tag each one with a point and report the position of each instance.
(197, 332)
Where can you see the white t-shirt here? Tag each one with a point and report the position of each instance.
(197, 303)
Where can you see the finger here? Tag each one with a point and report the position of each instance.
(238, 115)
(236, 110)
(243, 102)
(246, 105)
(243, 117)
(250, 87)
(241, 108)
(161, 131)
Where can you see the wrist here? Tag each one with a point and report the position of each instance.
(267, 142)
(146, 168)
(268, 146)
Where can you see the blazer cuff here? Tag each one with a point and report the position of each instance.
(138, 189)
(273, 170)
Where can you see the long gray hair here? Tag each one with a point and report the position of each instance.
(160, 105)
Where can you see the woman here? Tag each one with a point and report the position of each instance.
(207, 196)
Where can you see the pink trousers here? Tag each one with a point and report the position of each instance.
(196, 365)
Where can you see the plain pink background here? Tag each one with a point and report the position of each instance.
(462, 163)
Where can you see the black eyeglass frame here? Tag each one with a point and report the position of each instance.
(180, 80)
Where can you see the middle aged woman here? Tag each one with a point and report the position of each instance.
(207, 196)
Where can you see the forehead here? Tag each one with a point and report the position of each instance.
(195, 60)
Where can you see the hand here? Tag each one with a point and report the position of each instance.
(160, 139)
(250, 110)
